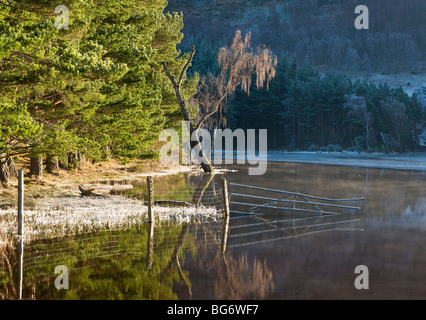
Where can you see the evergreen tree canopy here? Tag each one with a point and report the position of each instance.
(94, 85)
(305, 110)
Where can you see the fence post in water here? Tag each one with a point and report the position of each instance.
(226, 218)
(151, 220)
(20, 231)
(150, 185)
(150, 246)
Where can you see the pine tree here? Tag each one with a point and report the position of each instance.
(97, 85)
(17, 132)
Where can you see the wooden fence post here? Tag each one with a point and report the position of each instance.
(150, 246)
(226, 218)
(20, 231)
(150, 185)
(20, 202)
(151, 220)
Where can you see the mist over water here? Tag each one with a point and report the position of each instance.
(284, 255)
(321, 265)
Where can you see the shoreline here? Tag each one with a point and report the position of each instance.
(113, 170)
(409, 161)
(406, 161)
(102, 171)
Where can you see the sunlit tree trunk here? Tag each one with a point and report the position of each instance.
(4, 173)
(52, 164)
(36, 166)
(237, 64)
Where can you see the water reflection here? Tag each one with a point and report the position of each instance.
(321, 265)
(266, 257)
(104, 265)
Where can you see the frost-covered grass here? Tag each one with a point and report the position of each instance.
(51, 217)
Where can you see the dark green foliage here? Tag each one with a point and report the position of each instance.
(96, 85)
(17, 129)
(304, 110)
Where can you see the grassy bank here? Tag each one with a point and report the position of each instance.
(111, 169)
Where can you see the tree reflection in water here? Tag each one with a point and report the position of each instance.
(239, 279)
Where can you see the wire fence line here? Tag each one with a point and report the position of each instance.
(56, 213)
(275, 201)
(39, 255)
(97, 250)
(262, 215)
(85, 232)
(65, 226)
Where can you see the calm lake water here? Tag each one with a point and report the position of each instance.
(278, 256)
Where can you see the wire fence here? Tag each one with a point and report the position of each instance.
(89, 252)
(105, 225)
(109, 205)
(95, 222)
(266, 215)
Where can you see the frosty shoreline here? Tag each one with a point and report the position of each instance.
(411, 161)
(61, 216)
(408, 161)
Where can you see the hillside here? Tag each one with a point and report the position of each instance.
(323, 60)
(318, 32)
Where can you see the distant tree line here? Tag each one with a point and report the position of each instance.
(304, 110)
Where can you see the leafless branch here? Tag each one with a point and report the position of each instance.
(191, 57)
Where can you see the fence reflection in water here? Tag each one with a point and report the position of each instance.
(144, 261)
(270, 218)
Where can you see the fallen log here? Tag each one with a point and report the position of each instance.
(90, 193)
(170, 203)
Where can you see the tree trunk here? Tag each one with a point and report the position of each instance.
(106, 150)
(385, 145)
(368, 137)
(7, 169)
(36, 166)
(63, 165)
(205, 164)
(70, 160)
(4, 172)
(79, 159)
(75, 160)
(52, 164)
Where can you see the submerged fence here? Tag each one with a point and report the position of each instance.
(306, 203)
(56, 212)
(85, 232)
(106, 230)
(266, 215)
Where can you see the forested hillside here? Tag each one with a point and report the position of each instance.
(306, 111)
(317, 32)
(316, 101)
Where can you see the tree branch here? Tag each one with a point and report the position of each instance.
(6, 4)
(191, 57)
(207, 115)
(181, 101)
(169, 75)
(228, 91)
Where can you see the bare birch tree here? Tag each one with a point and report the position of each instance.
(238, 64)
(358, 110)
